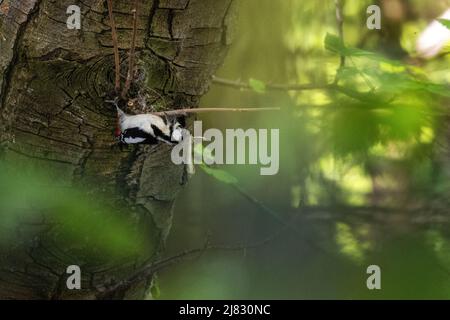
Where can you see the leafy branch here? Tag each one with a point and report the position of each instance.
(352, 93)
(445, 23)
(391, 83)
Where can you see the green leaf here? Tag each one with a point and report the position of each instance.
(438, 89)
(387, 79)
(220, 175)
(257, 85)
(445, 22)
(334, 44)
(154, 289)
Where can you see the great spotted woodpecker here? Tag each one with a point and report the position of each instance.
(147, 128)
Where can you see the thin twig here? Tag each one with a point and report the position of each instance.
(280, 219)
(340, 25)
(208, 110)
(361, 96)
(132, 53)
(116, 47)
(200, 110)
(280, 87)
(186, 254)
(152, 267)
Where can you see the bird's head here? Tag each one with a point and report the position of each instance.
(119, 118)
(177, 132)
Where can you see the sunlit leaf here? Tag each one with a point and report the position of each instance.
(154, 288)
(257, 85)
(445, 22)
(349, 243)
(335, 44)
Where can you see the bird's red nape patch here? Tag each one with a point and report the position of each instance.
(117, 132)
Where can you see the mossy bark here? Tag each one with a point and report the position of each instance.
(54, 82)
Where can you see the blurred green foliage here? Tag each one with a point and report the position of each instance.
(369, 139)
(95, 229)
(445, 22)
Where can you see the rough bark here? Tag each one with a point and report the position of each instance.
(54, 82)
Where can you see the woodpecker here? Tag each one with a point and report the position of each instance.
(147, 128)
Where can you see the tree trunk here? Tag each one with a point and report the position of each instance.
(54, 83)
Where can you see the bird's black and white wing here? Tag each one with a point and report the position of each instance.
(136, 135)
